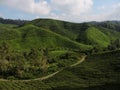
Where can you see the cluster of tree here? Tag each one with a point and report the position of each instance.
(93, 50)
(31, 64)
(10, 21)
(22, 65)
(114, 45)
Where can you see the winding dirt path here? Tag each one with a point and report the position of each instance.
(81, 59)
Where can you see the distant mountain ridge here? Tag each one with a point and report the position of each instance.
(10, 21)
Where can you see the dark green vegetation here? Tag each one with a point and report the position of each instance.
(33, 49)
(97, 72)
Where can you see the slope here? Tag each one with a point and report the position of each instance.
(112, 34)
(30, 36)
(55, 26)
(97, 36)
(87, 33)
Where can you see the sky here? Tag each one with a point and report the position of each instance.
(67, 10)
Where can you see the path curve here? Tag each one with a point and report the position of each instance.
(80, 61)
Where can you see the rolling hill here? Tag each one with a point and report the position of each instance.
(54, 33)
(30, 36)
(87, 33)
(93, 36)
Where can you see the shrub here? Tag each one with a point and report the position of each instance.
(11, 78)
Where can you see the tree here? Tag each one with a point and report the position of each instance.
(4, 64)
(114, 45)
(4, 50)
(44, 58)
(33, 54)
(117, 43)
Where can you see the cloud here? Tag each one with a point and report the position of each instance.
(112, 13)
(115, 13)
(42, 7)
(103, 13)
(68, 10)
(72, 7)
(1, 15)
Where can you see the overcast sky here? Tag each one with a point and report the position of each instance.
(68, 10)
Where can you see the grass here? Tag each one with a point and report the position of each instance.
(58, 53)
(95, 36)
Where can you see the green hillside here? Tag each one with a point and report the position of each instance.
(30, 36)
(112, 34)
(55, 26)
(95, 36)
(86, 33)
(40, 37)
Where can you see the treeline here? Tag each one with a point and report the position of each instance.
(10, 21)
(114, 45)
